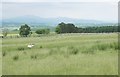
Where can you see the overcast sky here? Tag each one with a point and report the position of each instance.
(105, 11)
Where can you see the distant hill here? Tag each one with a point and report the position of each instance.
(36, 19)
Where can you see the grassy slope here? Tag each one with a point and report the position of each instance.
(101, 62)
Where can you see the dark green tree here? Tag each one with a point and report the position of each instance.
(66, 28)
(62, 27)
(58, 30)
(24, 30)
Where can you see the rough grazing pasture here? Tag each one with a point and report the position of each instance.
(63, 54)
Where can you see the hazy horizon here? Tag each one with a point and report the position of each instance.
(103, 11)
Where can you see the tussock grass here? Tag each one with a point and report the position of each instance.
(16, 57)
(21, 48)
(72, 50)
(41, 46)
(33, 56)
(3, 53)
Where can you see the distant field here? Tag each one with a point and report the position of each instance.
(61, 54)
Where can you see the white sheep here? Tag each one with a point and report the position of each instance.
(30, 46)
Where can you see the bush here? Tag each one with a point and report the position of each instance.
(16, 57)
(21, 48)
(42, 31)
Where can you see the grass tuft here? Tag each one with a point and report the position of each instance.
(41, 46)
(3, 53)
(33, 56)
(15, 58)
(73, 50)
(21, 48)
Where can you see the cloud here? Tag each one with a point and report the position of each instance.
(60, 0)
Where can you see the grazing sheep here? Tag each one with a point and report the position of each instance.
(30, 46)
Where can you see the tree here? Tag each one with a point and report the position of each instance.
(5, 32)
(101, 29)
(70, 28)
(58, 30)
(24, 30)
(66, 28)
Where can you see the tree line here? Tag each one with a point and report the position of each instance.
(62, 27)
(70, 28)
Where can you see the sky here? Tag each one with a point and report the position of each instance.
(105, 11)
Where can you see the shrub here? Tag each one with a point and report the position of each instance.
(16, 57)
(21, 48)
(42, 31)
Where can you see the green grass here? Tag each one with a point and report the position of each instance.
(63, 54)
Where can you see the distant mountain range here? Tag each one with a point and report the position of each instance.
(36, 19)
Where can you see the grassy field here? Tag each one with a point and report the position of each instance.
(64, 54)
